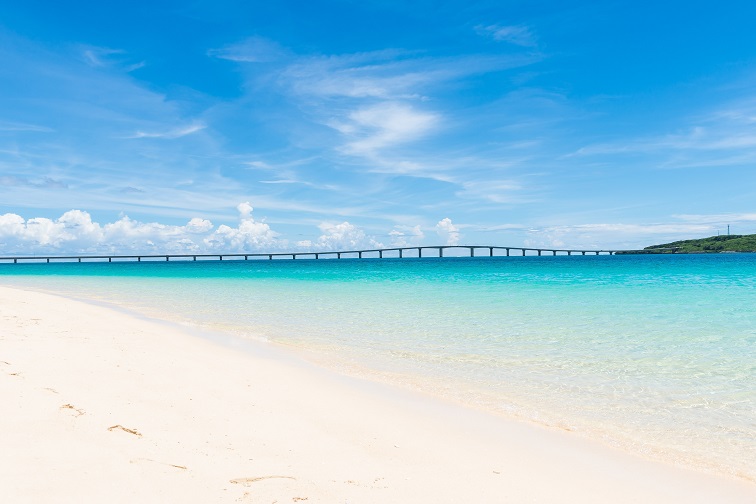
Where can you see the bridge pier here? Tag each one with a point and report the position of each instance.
(554, 251)
(440, 252)
(523, 252)
(270, 257)
(539, 252)
(380, 254)
(194, 258)
(419, 252)
(490, 251)
(400, 253)
(569, 252)
(338, 255)
(472, 252)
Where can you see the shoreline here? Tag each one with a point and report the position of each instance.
(196, 419)
(350, 367)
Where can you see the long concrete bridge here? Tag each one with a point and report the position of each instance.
(377, 253)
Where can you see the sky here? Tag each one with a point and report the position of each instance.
(224, 125)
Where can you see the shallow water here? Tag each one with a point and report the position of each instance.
(654, 354)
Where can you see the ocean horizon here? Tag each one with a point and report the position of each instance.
(653, 354)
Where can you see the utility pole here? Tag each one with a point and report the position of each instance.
(728, 230)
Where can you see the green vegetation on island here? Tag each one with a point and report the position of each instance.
(722, 243)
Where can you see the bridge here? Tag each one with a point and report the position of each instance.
(377, 253)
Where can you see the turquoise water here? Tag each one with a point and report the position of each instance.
(653, 354)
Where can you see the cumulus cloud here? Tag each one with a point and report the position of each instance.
(448, 231)
(249, 235)
(341, 236)
(405, 236)
(76, 232)
(197, 225)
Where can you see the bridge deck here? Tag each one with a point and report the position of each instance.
(395, 252)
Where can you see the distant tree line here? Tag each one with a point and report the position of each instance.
(722, 243)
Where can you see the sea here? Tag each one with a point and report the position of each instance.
(652, 354)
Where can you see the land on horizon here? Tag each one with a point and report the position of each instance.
(712, 244)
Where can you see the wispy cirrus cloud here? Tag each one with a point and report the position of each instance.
(497, 191)
(251, 50)
(614, 235)
(723, 137)
(100, 57)
(171, 134)
(17, 126)
(384, 125)
(514, 34)
(718, 218)
(43, 182)
(388, 74)
(379, 107)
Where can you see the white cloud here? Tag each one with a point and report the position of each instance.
(76, 232)
(197, 225)
(448, 231)
(251, 50)
(496, 191)
(514, 34)
(723, 137)
(614, 235)
(245, 210)
(387, 75)
(384, 125)
(406, 236)
(103, 57)
(16, 126)
(97, 56)
(172, 133)
(344, 236)
(249, 235)
(718, 218)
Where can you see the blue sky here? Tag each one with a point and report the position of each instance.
(168, 126)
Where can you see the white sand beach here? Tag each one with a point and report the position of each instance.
(99, 405)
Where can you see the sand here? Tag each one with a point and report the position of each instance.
(99, 405)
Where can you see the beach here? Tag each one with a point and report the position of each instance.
(101, 405)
